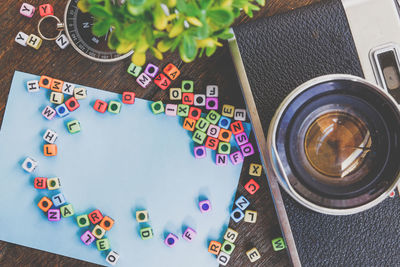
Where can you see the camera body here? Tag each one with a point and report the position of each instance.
(276, 55)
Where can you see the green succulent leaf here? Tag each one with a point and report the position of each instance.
(101, 28)
(220, 17)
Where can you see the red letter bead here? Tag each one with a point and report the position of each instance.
(212, 143)
(40, 183)
(46, 10)
(187, 98)
(194, 113)
(100, 106)
(172, 71)
(128, 98)
(95, 216)
(72, 104)
(251, 186)
(162, 81)
(237, 127)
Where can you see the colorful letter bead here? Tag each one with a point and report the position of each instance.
(29, 164)
(58, 200)
(237, 215)
(27, 10)
(214, 247)
(46, 10)
(225, 135)
(134, 70)
(45, 82)
(223, 258)
(67, 210)
(62, 41)
(49, 113)
(50, 150)
(255, 169)
(189, 124)
(82, 220)
(240, 115)
(171, 109)
(205, 206)
(202, 125)
(34, 41)
(45, 204)
(114, 107)
(146, 233)
(200, 152)
(56, 98)
(72, 104)
(198, 137)
(162, 81)
(212, 91)
(241, 139)
(21, 39)
(87, 238)
(98, 232)
(213, 131)
(95, 216)
(227, 247)
(112, 258)
(74, 126)
(230, 235)
(187, 86)
(242, 203)
(80, 93)
(221, 159)
(253, 254)
(224, 148)
(247, 149)
(68, 88)
(53, 215)
(187, 98)
(157, 107)
(228, 111)
(100, 106)
(172, 71)
(224, 122)
(194, 113)
(62, 110)
(107, 223)
(175, 94)
(183, 110)
(50, 136)
(56, 85)
(40, 183)
(33, 86)
(142, 216)
(151, 70)
(143, 80)
(199, 100)
(212, 143)
(53, 183)
(128, 98)
(213, 117)
(251, 186)
(189, 234)
(237, 127)
(250, 216)
(211, 103)
(236, 157)
(170, 240)
(278, 244)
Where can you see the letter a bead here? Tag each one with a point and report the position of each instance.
(172, 71)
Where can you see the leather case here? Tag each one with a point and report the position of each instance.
(279, 53)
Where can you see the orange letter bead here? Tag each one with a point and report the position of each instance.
(172, 71)
(45, 82)
(189, 124)
(50, 150)
(225, 135)
(214, 247)
(107, 223)
(95, 216)
(57, 85)
(45, 204)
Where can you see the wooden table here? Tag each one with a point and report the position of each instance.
(70, 66)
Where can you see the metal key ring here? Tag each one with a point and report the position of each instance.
(60, 27)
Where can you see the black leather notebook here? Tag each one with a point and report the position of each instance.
(278, 54)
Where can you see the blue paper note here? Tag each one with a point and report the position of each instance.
(117, 164)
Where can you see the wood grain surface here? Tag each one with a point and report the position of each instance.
(68, 65)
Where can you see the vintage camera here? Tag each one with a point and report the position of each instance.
(322, 87)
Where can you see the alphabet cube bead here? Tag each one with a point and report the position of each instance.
(33, 86)
(74, 126)
(143, 80)
(40, 183)
(72, 104)
(214, 247)
(27, 10)
(68, 88)
(56, 98)
(224, 122)
(241, 139)
(87, 238)
(151, 70)
(253, 254)
(172, 71)
(187, 98)
(21, 38)
(199, 100)
(189, 234)
(213, 131)
(112, 258)
(221, 159)
(228, 111)
(53, 183)
(45, 204)
(49, 113)
(175, 94)
(162, 81)
(205, 206)
(62, 110)
(45, 82)
(29, 164)
(95, 216)
(146, 233)
(170, 240)
(202, 125)
(34, 41)
(278, 244)
(114, 107)
(134, 70)
(46, 10)
(171, 109)
(212, 143)
(237, 215)
(225, 135)
(224, 148)
(128, 98)
(223, 258)
(242, 203)
(237, 127)
(98, 232)
(106, 223)
(50, 136)
(247, 149)
(255, 169)
(187, 86)
(100, 106)
(53, 215)
(58, 200)
(183, 110)
(198, 137)
(251, 186)
(212, 91)
(82, 220)
(236, 157)
(213, 117)
(62, 41)
(189, 124)
(211, 103)
(50, 150)
(80, 93)
(240, 115)
(67, 210)
(200, 152)
(142, 216)
(231, 235)
(250, 216)
(194, 113)
(56, 85)
(157, 107)
(227, 247)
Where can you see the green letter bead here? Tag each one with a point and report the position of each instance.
(157, 107)
(278, 244)
(227, 247)
(74, 126)
(187, 86)
(183, 110)
(114, 107)
(202, 124)
(102, 244)
(83, 220)
(199, 136)
(67, 210)
(213, 117)
(134, 70)
(224, 148)
(146, 233)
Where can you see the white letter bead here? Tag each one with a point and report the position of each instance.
(68, 88)
(199, 100)
(29, 164)
(212, 91)
(112, 257)
(62, 41)
(50, 136)
(240, 115)
(32, 86)
(21, 38)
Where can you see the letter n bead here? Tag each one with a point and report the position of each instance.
(221, 159)
(53, 215)
(62, 41)
(128, 98)
(251, 186)
(50, 136)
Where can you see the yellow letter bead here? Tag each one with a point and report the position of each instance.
(34, 41)
(175, 93)
(230, 235)
(228, 111)
(80, 93)
(142, 216)
(98, 232)
(56, 98)
(53, 183)
(250, 216)
(253, 254)
(255, 169)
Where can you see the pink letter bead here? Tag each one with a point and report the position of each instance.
(236, 157)
(221, 159)
(212, 103)
(200, 152)
(171, 109)
(88, 238)
(189, 234)
(49, 113)
(213, 131)
(170, 240)
(54, 215)
(143, 80)
(241, 139)
(205, 206)
(151, 70)
(27, 10)
(247, 149)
